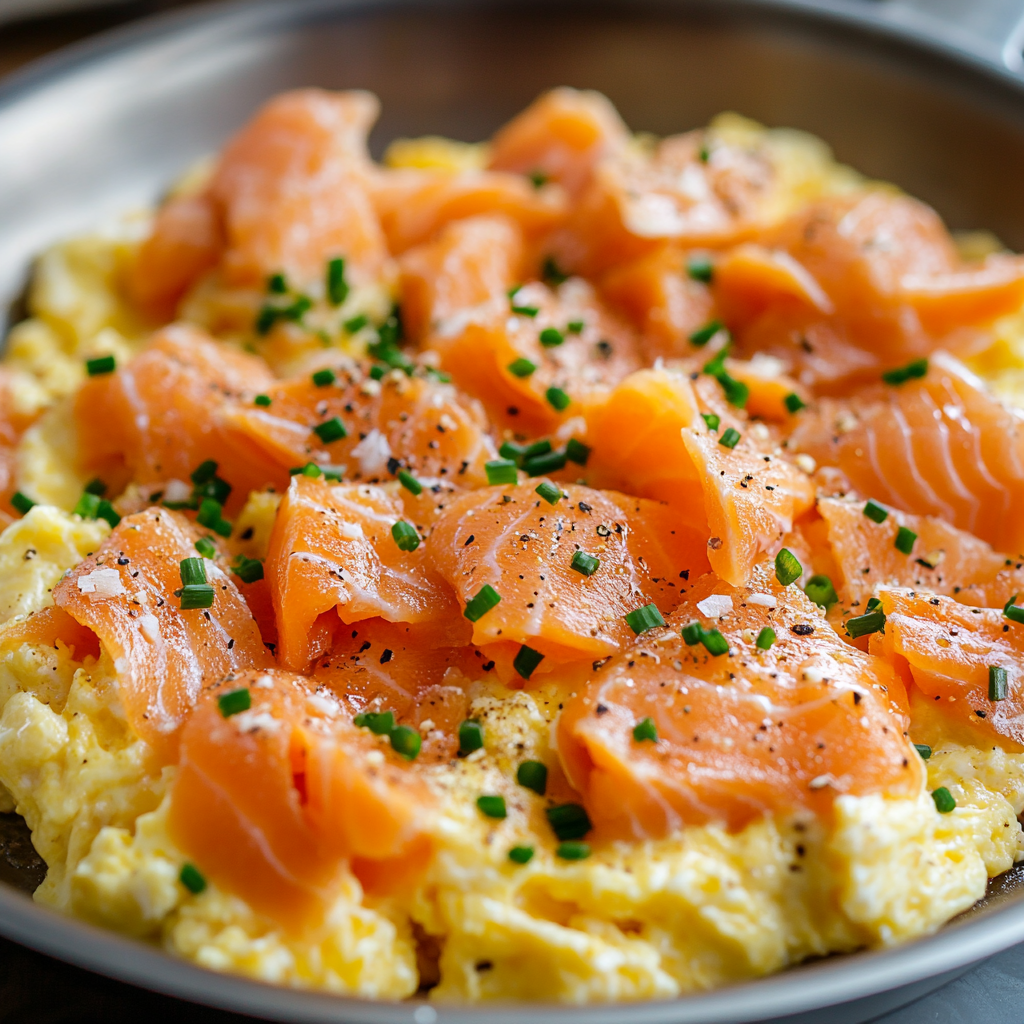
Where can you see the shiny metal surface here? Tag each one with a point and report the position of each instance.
(889, 83)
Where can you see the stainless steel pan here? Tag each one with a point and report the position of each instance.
(927, 94)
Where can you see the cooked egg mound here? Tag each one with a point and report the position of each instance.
(635, 920)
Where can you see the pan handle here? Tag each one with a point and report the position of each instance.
(991, 31)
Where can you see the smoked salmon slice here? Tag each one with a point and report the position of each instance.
(737, 735)
(966, 660)
(275, 801)
(527, 551)
(941, 445)
(164, 655)
(332, 547)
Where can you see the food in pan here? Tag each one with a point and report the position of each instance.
(577, 567)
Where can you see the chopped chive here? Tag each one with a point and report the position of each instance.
(1014, 612)
(108, 512)
(262, 400)
(557, 399)
(576, 451)
(100, 365)
(713, 420)
(206, 547)
(324, 378)
(549, 492)
(192, 571)
(521, 367)
(944, 802)
(691, 633)
(551, 337)
(405, 536)
(210, 516)
(248, 570)
(334, 474)
(391, 331)
(406, 741)
(380, 723)
(297, 310)
(357, 323)
(703, 335)
(863, 625)
(901, 374)
(736, 392)
(765, 639)
(533, 775)
(483, 601)
(787, 567)
(538, 178)
(704, 154)
(337, 287)
(196, 596)
(716, 364)
(88, 506)
(511, 293)
(276, 284)
(492, 806)
(700, 268)
(525, 310)
(551, 273)
(330, 430)
(730, 438)
(573, 851)
(568, 821)
(821, 591)
(585, 564)
(924, 750)
(511, 450)
(520, 854)
(641, 619)
(526, 661)
(546, 462)
(874, 604)
(714, 643)
(905, 540)
(645, 730)
(793, 402)
(216, 488)
(875, 512)
(501, 471)
(441, 376)
(531, 451)
(265, 320)
(997, 682)
(471, 736)
(409, 482)
(310, 469)
(234, 701)
(575, 326)
(97, 487)
(192, 879)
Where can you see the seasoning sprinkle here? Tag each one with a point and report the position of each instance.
(492, 806)
(501, 471)
(479, 605)
(533, 775)
(905, 540)
(645, 731)
(730, 438)
(549, 492)
(997, 682)
(409, 482)
(584, 564)
(526, 661)
(234, 702)
(787, 567)
(875, 512)
(521, 367)
(641, 619)
(330, 430)
(765, 639)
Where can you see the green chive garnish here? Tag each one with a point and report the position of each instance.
(546, 462)
(998, 682)
(1013, 611)
(87, 507)
(492, 806)
(905, 540)
(324, 378)
(875, 512)
(337, 288)
(193, 571)
(793, 402)
(277, 285)
(765, 639)
(192, 879)
(730, 438)
(479, 605)
(691, 633)
(538, 179)
(549, 492)
(520, 854)
(576, 451)
(568, 821)
(584, 564)
(521, 367)
(575, 326)
(787, 568)
(406, 741)
(573, 851)
(550, 337)
(409, 482)
(100, 365)
(206, 547)
(248, 570)
(265, 320)
(196, 595)
(526, 661)
(533, 775)
(530, 311)
(924, 750)
(501, 471)
(900, 375)
(234, 701)
(97, 487)
(310, 469)
(736, 392)
(210, 516)
(641, 619)
(944, 801)
(204, 473)
(645, 730)
(357, 323)
(471, 736)
(863, 625)
(330, 430)
(405, 536)
(262, 400)
(557, 399)
(713, 420)
(700, 268)
(714, 643)
(551, 273)
(380, 723)
(821, 591)
(703, 335)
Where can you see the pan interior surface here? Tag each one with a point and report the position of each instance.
(107, 130)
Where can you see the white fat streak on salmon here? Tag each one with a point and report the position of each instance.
(140, 412)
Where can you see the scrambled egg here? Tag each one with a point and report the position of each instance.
(647, 920)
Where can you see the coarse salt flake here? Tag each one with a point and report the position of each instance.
(373, 453)
(715, 605)
(762, 600)
(177, 490)
(101, 583)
